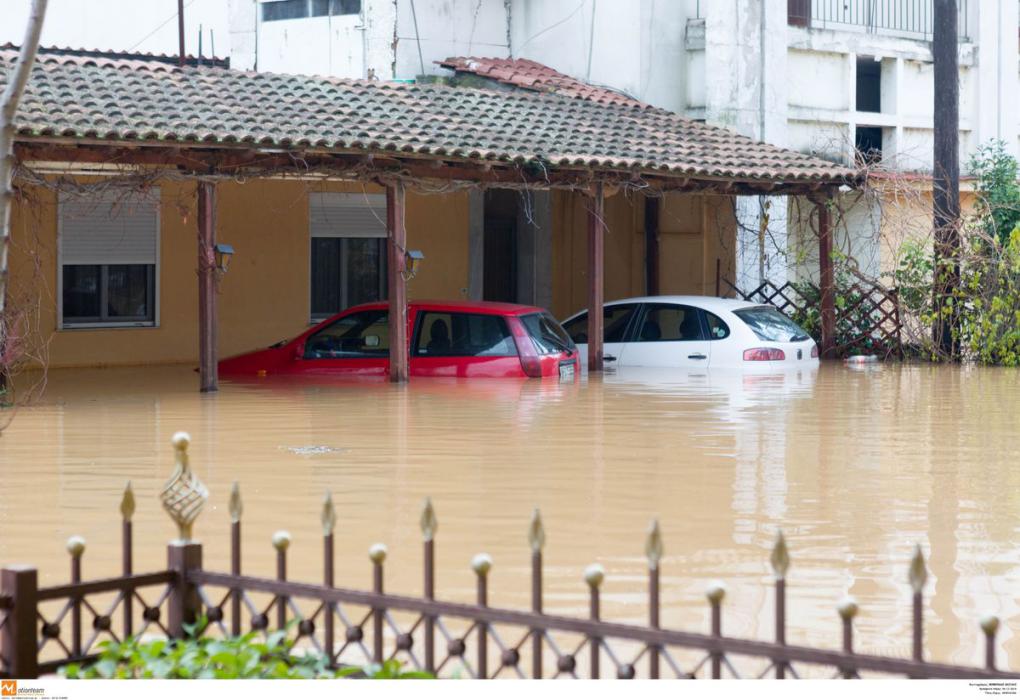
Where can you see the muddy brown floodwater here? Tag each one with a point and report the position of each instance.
(855, 466)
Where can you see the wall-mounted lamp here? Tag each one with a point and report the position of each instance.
(412, 261)
(223, 254)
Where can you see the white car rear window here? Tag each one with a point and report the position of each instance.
(768, 323)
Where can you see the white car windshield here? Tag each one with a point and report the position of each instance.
(768, 323)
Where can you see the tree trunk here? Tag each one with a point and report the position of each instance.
(946, 184)
(16, 77)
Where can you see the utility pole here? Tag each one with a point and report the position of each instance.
(946, 180)
(180, 32)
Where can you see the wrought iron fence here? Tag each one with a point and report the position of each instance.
(867, 316)
(42, 629)
(907, 18)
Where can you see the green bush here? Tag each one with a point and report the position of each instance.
(998, 207)
(233, 657)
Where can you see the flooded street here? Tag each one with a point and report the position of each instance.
(855, 466)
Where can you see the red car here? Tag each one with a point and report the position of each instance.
(446, 338)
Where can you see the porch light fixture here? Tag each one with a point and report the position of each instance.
(223, 254)
(412, 261)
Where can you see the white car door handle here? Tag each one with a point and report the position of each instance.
(697, 356)
(609, 358)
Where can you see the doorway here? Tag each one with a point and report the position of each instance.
(499, 278)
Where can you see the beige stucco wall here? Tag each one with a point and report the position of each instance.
(264, 296)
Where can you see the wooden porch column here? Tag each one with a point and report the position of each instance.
(208, 314)
(652, 245)
(396, 245)
(596, 246)
(826, 278)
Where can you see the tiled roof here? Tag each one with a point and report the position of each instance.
(525, 73)
(125, 100)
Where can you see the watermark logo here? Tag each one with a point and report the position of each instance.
(8, 689)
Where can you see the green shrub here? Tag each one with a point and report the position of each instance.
(248, 656)
(998, 207)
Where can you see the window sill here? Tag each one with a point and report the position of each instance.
(106, 326)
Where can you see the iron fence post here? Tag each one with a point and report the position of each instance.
(481, 565)
(780, 561)
(377, 553)
(19, 635)
(75, 547)
(236, 509)
(536, 538)
(594, 575)
(653, 551)
(847, 609)
(990, 625)
(184, 603)
(429, 525)
(328, 520)
(715, 594)
(127, 511)
(281, 540)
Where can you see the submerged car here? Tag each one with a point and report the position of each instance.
(696, 331)
(446, 339)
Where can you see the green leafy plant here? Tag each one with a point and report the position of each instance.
(249, 656)
(998, 206)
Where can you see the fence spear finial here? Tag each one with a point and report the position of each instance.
(715, 592)
(481, 564)
(594, 575)
(847, 608)
(653, 545)
(328, 515)
(536, 533)
(918, 574)
(234, 505)
(183, 495)
(429, 522)
(780, 558)
(127, 503)
(75, 545)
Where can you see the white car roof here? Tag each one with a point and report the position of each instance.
(705, 302)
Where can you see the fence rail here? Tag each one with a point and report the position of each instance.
(908, 18)
(43, 629)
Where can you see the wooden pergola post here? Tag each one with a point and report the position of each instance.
(596, 277)
(396, 246)
(652, 205)
(826, 278)
(208, 315)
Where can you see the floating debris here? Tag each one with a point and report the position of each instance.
(314, 450)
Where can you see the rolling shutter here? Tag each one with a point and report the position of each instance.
(347, 215)
(109, 231)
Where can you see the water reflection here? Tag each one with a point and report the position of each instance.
(855, 466)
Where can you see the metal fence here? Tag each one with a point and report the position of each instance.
(906, 18)
(42, 629)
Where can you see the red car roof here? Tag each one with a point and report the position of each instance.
(461, 305)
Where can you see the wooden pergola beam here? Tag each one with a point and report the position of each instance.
(596, 277)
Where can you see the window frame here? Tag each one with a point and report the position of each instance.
(309, 10)
(63, 325)
(635, 325)
(369, 198)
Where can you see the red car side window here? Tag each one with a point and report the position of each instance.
(363, 334)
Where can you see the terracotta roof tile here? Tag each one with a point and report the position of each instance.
(148, 101)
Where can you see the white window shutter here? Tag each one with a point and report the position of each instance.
(109, 231)
(347, 215)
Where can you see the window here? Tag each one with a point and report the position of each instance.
(615, 320)
(363, 334)
(296, 9)
(108, 255)
(442, 334)
(868, 142)
(869, 84)
(669, 322)
(348, 251)
(770, 324)
(717, 328)
(548, 336)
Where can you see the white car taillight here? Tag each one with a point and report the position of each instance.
(764, 355)
(814, 351)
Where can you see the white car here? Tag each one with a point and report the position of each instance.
(696, 332)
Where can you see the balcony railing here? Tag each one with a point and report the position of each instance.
(906, 18)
